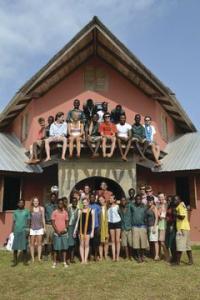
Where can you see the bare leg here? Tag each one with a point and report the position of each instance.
(32, 247)
(47, 149)
(119, 142)
(15, 252)
(113, 141)
(64, 253)
(98, 143)
(64, 147)
(139, 150)
(90, 145)
(106, 249)
(104, 146)
(87, 240)
(117, 233)
(112, 234)
(156, 153)
(39, 244)
(127, 148)
(78, 145)
(71, 146)
(81, 248)
(165, 250)
(101, 251)
(156, 245)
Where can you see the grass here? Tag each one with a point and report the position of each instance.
(102, 280)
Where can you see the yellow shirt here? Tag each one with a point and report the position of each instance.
(181, 210)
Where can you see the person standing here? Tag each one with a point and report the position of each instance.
(37, 228)
(60, 219)
(104, 234)
(170, 239)
(20, 229)
(162, 224)
(104, 191)
(73, 215)
(183, 231)
(95, 241)
(131, 193)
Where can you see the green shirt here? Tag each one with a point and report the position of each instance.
(138, 215)
(20, 218)
(49, 208)
(126, 216)
(138, 131)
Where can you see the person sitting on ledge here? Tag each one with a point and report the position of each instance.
(102, 111)
(39, 143)
(108, 131)
(116, 114)
(150, 131)
(138, 136)
(78, 110)
(58, 133)
(89, 110)
(50, 121)
(93, 135)
(76, 133)
(123, 136)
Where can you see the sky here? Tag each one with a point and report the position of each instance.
(163, 34)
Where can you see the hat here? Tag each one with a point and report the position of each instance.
(54, 189)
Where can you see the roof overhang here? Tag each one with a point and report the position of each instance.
(96, 40)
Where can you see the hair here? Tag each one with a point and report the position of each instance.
(137, 115)
(149, 117)
(150, 198)
(32, 200)
(51, 117)
(148, 187)
(106, 115)
(20, 201)
(41, 120)
(77, 100)
(138, 195)
(53, 194)
(58, 115)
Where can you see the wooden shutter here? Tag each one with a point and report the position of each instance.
(1, 192)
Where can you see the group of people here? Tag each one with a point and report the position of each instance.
(138, 226)
(95, 127)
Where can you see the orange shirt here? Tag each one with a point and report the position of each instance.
(108, 129)
(60, 218)
(106, 194)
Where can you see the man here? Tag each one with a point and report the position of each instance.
(108, 132)
(149, 192)
(102, 111)
(138, 136)
(95, 242)
(123, 136)
(139, 228)
(183, 231)
(50, 121)
(93, 136)
(131, 193)
(77, 109)
(58, 133)
(49, 208)
(89, 110)
(104, 192)
(150, 131)
(126, 220)
(116, 113)
(143, 194)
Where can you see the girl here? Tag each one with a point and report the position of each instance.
(73, 215)
(85, 227)
(162, 211)
(104, 235)
(37, 228)
(76, 133)
(20, 228)
(114, 222)
(59, 219)
(152, 223)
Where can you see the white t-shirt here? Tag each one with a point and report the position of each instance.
(100, 113)
(58, 129)
(113, 214)
(122, 130)
(153, 132)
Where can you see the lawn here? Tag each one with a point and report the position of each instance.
(102, 280)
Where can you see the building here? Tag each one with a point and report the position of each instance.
(96, 65)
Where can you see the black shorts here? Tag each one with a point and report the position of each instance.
(117, 225)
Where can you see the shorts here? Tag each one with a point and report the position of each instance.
(161, 235)
(153, 235)
(94, 139)
(140, 239)
(117, 225)
(20, 241)
(48, 237)
(183, 240)
(37, 231)
(60, 242)
(126, 238)
(138, 138)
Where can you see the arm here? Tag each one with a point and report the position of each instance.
(82, 129)
(51, 130)
(43, 218)
(69, 129)
(156, 216)
(93, 223)
(76, 227)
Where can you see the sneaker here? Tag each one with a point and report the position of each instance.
(54, 265)
(65, 265)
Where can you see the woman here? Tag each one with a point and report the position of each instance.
(59, 220)
(76, 132)
(152, 223)
(37, 228)
(114, 223)
(162, 210)
(104, 235)
(85, 228)
(73, 215)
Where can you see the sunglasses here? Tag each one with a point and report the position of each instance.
(149, 191)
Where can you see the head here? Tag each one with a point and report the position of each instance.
(177, 200)
(131, 192)
(122, 119)
(137, 119)
(105, 106)
(92, 198)
(95, 118)
(59, 117)
(53, 198)
(112, 199)
(35, 202)
(74, 202)
(138, 199)
(76, 195)
(86, 189)
(102, 200)
(123, 201)
(118, 108)
(106, 117)
(76, 104)
(75, 116)
(147, 120)
(143, 189)
(65, 201)
(50, 120)
(90, 103)
(169, 199)
(162, 198)
(150, 201)
(85, 203)
(41, 122)
(149, 190)
(60, 204)
(21, 204)
(104, 185)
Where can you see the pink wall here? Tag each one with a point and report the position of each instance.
(120, 90)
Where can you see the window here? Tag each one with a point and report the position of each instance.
(95, 79)
(24, 127)
(164, 127)
(11, 192)
(183, 189)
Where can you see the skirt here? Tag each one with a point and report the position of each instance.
(71, 239)
(60, 242)
(20, 241)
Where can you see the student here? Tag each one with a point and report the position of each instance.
(150, 131)
(60, 238)
(126, 226)
(85, 228)
(149, 192)
(95, 241)
(143, 194)
(50, 121)
(152, 223)
(104, 192)
(162, 223)
(114, 223)
(139, 228)
(138, 136)
(102, 111)
(48, 238)
(89, 110)
(73, 215)
(123, 136)
(170, 239)
(93, 136)
(108, 132)
(131, 193)
(20, 228)
(104, 235)
(81, 115)
(76, 133)
(37, 228)
(183, 231)
(58, 133)
(116, 114)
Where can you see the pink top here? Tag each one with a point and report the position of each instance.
(60, 217)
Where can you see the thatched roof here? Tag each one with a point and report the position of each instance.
(96, 40)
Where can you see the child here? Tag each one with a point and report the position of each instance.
(73, 215)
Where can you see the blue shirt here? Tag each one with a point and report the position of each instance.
(97, 211)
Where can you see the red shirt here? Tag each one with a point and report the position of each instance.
(60, 218)
(108, 129)
(106, 194)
